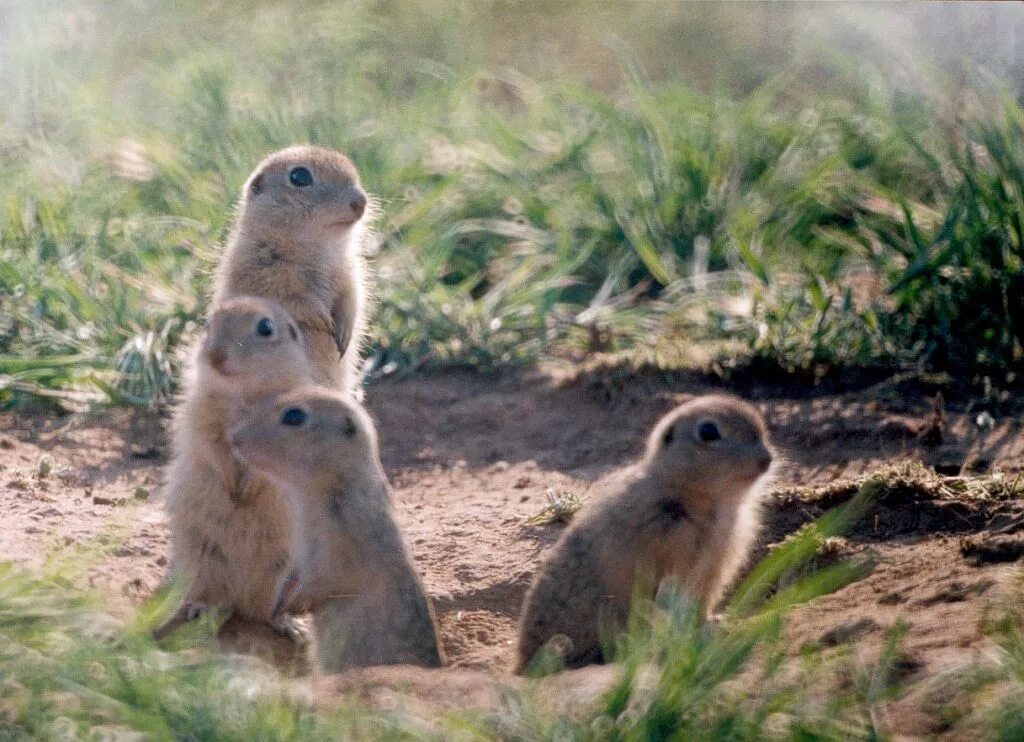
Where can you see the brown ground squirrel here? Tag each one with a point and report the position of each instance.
(350, 564)
(297, 238)
(229, 528)
(688, 511)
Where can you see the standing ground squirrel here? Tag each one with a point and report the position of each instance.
(688, 511)
(229, 528)
(297, 239)
(350, 564)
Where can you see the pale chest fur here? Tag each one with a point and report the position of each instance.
(704, 554)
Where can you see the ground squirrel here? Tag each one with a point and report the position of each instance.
(350, 564)
(229, 529)
(297, 238)
(687, 511)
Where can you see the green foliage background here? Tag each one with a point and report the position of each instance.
(807, 187)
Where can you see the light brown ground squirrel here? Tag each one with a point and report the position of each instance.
(688, 511)
(229, 528)
(297, 238)
(350, 563)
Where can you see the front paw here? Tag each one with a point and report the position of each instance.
(292, 628)
(189, 611)
(289, 597)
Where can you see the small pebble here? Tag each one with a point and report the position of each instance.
(45, 466)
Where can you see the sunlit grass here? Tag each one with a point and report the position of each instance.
(560, 508)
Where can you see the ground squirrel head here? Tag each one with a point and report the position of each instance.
(253, 344)
(312, 438)
(718, 443)
(303, 190)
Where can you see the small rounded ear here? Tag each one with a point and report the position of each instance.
(256, 184)
(669, 434)
(293, 331)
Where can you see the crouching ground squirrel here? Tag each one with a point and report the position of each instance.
(297, 238)
(687, 512)
(350, 564)
(229, 527)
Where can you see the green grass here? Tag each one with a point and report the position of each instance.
(802, 209)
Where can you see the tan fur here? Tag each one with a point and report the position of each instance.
(687, 512)
(302, 246)
(350, 564)
(229, 528)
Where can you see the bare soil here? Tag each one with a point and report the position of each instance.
(471, 457)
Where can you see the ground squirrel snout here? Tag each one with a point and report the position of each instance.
(350, 565)
(249, 339)
(317, 186)
(715, 439)
(335, 435)
(687, 513)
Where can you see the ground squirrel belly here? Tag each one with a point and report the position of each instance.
(350, 564)
(297, 238)
(687, 511)
(229, 527)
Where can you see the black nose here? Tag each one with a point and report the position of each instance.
(358, 203)
(764, 461)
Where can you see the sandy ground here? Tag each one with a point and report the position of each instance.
(471, 456)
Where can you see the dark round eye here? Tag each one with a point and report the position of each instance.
(294, 416)
(300, 177)
(708, 431)
(265, 328)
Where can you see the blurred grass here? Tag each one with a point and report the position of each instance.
(791, 185)
(72, 671)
